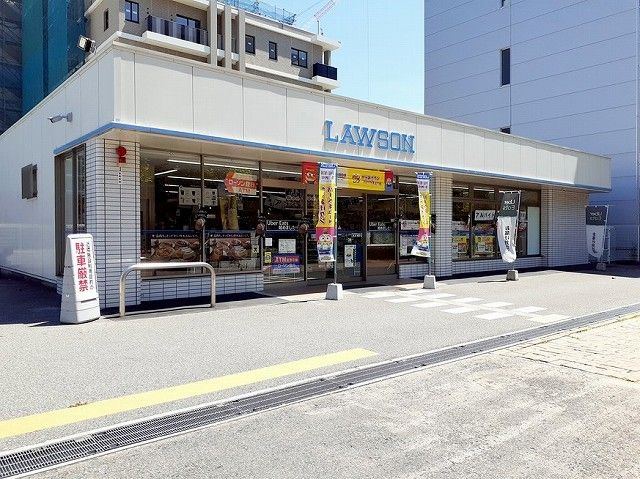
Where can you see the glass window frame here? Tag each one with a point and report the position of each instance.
(250, 44)
(190, 22)
(471, 201)
(131, 16)
(273, 51)
(505, 66)
(296, 55)
(78, 220)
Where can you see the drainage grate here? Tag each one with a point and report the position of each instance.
(65, 451)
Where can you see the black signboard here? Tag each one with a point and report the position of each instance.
(596, 215)
(283, 225)
(510, 203)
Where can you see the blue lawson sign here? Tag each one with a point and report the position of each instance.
(370, 138)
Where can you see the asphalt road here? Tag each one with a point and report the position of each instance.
(496, 415)
(47, 366)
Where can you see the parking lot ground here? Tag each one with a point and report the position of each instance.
(48, 367)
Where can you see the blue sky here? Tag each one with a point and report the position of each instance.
(381, 58)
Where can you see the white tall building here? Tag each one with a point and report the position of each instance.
(563, 71)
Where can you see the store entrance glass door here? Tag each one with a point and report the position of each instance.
(284, 247)
(351, 215)
(381, 235)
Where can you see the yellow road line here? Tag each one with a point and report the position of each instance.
(107, 407)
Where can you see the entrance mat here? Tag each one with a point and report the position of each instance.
(186, 302)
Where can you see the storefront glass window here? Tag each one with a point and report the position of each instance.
(283, 205)
(232, 214)
(70, 173)
(473, 229)
(172, 200)
(409, 215)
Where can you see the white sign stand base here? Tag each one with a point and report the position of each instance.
(512, 275)
(334, 292)
(80, 302)
(601, 266)
(429, 282)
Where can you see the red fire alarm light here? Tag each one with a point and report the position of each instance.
(121, 151)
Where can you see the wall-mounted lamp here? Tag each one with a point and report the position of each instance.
(86, 44)
(57, 118)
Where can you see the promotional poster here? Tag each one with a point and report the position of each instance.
(325, 229)
(596, 229)
(508, 225)
(423, 244)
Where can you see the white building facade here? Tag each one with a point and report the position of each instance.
(158, 140)
(573, 80)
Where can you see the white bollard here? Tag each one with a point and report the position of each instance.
(334, 292)
(429, 282)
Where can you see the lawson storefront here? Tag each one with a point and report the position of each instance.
(239, 156)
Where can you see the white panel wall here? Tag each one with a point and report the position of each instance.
(27, 229)
(573, 83)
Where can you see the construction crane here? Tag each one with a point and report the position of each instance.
(326, 8)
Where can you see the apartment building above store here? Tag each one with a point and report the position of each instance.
(243, 35)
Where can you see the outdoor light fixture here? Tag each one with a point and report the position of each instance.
(57, 118)
(86, 44)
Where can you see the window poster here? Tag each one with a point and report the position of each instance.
(178, 246)
(285, 264)
(287, 246)
(349, 255)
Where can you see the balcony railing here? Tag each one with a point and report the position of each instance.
(234, 43)
(326, 71)
(177, 30)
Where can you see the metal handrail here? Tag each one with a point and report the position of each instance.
(155, 266)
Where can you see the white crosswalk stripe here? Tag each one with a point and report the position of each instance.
(549, 318)
(441, 296)
(461, 310)
(497, 304)
(451, 304)
(529, 309)
(432, 304)
(468, 300)
(495, 315)
(379, 294)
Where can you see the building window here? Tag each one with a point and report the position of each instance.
(187, 22)
(106, 19)
(70, 200)
(273, 51)
(176, 189)
(506, 129)
(473, 227)
(505, 56)
(132, 11)
(298, 58)
(250, 44)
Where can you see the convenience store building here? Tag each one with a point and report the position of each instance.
(157, 139)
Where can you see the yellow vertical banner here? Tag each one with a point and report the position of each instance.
(423, 242)
(325, 229)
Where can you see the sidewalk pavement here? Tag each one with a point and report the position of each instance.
(562, 407)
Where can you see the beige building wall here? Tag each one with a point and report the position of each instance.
(285, 43)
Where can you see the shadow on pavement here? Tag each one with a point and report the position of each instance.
(28, 302)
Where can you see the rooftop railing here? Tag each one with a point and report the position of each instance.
(177, 30)
(264, 9)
